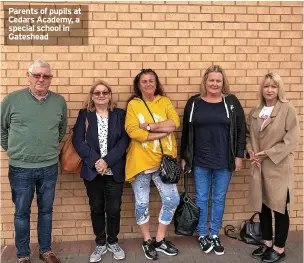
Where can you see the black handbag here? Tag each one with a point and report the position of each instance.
(187, 213)
(250, 231)
(169, 168)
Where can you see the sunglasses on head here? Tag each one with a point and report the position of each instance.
(104, 93)
(38, 76)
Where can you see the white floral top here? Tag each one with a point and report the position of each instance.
(102, 123)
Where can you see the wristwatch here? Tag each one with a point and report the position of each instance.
(148, 127)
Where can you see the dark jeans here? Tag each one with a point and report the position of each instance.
(281, 226)
(23, 183)
(105, 197)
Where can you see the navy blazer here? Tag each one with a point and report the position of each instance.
(89, 150)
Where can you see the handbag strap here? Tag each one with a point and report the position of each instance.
(186, 186)
(86, 125)
(253, 216)
(161, 146)
(228, 229)
(86, 128)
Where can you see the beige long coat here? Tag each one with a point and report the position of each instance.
(270, 183)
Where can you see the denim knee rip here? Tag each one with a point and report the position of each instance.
(168, 193)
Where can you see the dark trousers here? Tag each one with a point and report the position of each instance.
(281, 226)
(105, 197)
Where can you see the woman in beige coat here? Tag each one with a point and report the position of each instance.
(272, 135)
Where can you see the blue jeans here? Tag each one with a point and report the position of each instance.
(23, 182)
(168, 194)
(219, 180)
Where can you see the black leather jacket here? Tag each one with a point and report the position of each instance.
(237, 139)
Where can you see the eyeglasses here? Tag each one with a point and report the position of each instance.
(104, 93)
(38, 76)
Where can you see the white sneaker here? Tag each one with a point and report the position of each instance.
(117, 251)
(98, 252)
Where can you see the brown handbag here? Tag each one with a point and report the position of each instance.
(69, 159)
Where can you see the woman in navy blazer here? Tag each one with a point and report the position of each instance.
(102, 149)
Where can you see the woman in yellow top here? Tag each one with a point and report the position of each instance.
(144, 157)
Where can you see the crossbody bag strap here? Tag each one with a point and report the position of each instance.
(186, 186)
(161, 147)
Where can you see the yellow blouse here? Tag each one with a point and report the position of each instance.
(143, 154)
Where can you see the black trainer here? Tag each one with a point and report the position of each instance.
(261, 251)
(273, 257)
(205, 244)
(166, 247)
(149, 250)
(217, 246)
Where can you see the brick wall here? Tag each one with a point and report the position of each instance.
(179, 40)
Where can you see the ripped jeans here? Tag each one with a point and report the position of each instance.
(168, 193)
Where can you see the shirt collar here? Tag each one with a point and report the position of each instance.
(43, 98)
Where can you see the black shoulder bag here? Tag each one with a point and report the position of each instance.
(169, 168)
(250, 231)
(187, 213)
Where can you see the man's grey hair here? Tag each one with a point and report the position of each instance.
(39, 63)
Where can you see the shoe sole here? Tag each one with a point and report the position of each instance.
(208, 250)
(160, 250)
(280, 260)
(100, 257)
(219, 253)
(41, 258)
(147, 256)
(117, 258)
(256, 257)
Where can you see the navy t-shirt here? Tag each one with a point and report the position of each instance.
(211, 135)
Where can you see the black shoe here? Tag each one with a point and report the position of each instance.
(149, 250)
(166, 247)
(205, 244)
(217, 246)
(261, 251)
(273, 256)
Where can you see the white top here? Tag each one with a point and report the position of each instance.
(265, 114)
(102, 123)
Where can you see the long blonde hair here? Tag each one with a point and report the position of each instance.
(275, 77)
(215, 68)
(89, 103)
